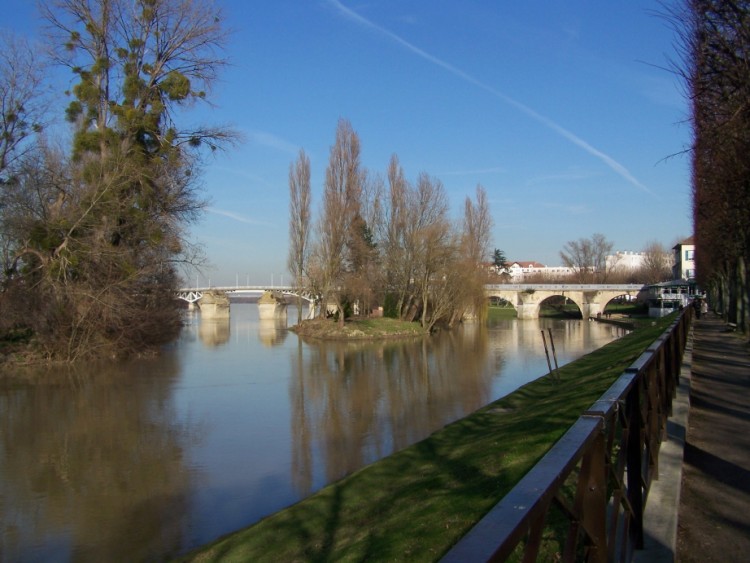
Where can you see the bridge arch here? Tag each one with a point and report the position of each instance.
(565, 300)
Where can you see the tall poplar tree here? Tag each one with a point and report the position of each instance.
(341, 211)
(299, 222)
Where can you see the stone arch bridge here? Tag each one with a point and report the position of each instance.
(591, 299)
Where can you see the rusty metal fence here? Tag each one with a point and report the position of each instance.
(585, 498)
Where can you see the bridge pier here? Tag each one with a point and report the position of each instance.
(271, 307)
(592, 310)
(214, 305)
(527, 310)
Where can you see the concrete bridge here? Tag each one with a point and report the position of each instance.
(590, 298)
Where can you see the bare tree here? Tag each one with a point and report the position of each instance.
(477, 229)
(392, 232)
(341, 208)
(299, 222)
(715, 48)
(578, 256)
(444, 293)
(429, 240)
(657, 264)
(406, 239)
(588, 258)
(421, 250)
(23, 101)
(601, 248)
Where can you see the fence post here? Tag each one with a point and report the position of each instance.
(593, 481)
(635, 462)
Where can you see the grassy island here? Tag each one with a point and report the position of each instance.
(358, 329)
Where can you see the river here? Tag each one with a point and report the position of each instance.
(145, 459)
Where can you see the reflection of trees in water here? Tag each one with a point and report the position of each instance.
(357, 402)
(93, 462)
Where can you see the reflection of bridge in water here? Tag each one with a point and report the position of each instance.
(527, 299)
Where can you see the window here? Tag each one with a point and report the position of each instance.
(689, 254)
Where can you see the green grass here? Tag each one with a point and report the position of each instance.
(415, 504)
(635, 309)
(497, 313)
(565, 312)
(388, 326)
(358, 329)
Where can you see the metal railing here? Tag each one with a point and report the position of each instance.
(585, 498)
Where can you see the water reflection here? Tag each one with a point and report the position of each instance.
(354, 403)
(214, 332)
(272, 332)
(145, 460)
(89, 462)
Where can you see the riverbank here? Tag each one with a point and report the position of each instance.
(416, 503)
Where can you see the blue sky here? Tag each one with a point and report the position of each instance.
(563, 110)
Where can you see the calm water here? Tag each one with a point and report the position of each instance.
(147, 459)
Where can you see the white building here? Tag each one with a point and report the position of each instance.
(684, 260)
(522, 271)
(625, 260)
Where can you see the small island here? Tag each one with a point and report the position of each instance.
(358, 328)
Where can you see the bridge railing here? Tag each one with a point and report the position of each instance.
(588, 492)
(240, 288)
(563, 287)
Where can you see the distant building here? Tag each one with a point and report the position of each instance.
(684, 260)
(521, 271)
(625, 260)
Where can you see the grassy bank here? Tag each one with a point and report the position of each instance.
(497, 313)
(416, 503)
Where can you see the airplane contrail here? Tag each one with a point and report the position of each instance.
(547, 122)
(235, 216)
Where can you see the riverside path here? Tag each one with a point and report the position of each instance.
(699, 509)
